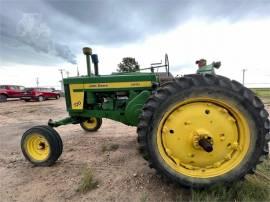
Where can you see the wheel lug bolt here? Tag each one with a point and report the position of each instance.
(235, 145)
(168, 151)
(222, 135)
(217, 164)
(223, 110)
(191, 155)
(228, 157)
(231, 119)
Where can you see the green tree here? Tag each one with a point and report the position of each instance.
(128, 64)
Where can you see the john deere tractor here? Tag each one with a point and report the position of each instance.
(196, 130)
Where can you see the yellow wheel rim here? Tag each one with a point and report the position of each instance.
(186, 123)
(37, 147)
(91, 123)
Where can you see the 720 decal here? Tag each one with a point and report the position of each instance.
(76, 104)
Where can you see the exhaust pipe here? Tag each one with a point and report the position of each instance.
(94, 58)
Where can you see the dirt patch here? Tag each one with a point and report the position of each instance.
(122, 174)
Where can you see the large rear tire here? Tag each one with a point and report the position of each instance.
(203, 130)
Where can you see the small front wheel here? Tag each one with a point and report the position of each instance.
(41, 145)
(92, 124)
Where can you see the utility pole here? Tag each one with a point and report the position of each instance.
(67, 72)
(244, 74)
(78, 73)
(62, 82)
(61, 71)
(37, 81)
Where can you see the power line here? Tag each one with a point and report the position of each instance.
(258, 83)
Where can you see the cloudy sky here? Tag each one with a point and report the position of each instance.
(38, 37)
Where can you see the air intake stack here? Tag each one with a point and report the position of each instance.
(88, 51)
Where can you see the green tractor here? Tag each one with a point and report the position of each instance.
(196, 130)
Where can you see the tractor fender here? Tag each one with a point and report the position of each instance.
(134, 107)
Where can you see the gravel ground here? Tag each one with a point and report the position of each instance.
(122, 174)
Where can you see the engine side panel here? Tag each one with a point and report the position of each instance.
(107, 96)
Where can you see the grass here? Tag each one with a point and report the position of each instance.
(87, 182)
(254, 188)
(265, 167)
(262, 92)
(249, 190)
(109, 147)
(144, 197)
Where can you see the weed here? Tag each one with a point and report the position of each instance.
(144, 197)
(109, 147)
(114, 147)
(87, 182)
(179, 198)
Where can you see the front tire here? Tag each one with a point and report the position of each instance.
(41, 145)
(92, 124)
(203, 108)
